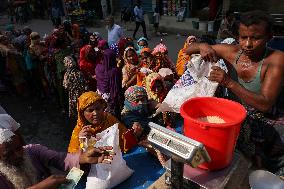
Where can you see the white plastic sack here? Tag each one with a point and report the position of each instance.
(193, 83)
(102, 176)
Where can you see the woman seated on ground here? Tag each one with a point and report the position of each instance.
(92, 120)
(146, 60)
(109, 79)
(183, 58)
(129, 70)
(142, 42)
(157, 91)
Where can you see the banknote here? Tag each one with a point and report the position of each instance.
(74, 176)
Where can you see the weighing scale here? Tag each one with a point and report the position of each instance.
(186, 154)
(181, 149)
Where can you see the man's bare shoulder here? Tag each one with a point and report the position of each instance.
(226, 51)
(276, 58)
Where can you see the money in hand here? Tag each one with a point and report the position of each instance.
(74, 176)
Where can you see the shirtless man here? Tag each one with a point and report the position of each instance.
(260, 72)
(248, 58)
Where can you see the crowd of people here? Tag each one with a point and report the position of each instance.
(102, 82)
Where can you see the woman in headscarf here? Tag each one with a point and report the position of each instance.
(74, 83)
(136, 110)
(129, 70)
(88, 61)
(161, 59)
(12, 62)
(142, 42)
(146, 60)
(77, 42)
(109, 79)
(102, 44)
(38, 55)
(183, 58)
(122, 44)
(136, 113)
(92, 120)
(157, 92)
(155, 87)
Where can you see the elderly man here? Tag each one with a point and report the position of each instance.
(27, 166)
(114, 31)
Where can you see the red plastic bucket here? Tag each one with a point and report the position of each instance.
(219, 139)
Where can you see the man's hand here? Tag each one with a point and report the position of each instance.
(97, 155)
(52, 182)
(207, 53)
(220, 76)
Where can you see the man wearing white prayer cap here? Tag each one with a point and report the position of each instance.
(27, 167)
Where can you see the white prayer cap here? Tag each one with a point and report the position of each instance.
(5, 135)
(7, 122)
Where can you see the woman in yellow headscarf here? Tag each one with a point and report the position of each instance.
(183, 58)
(92, 120)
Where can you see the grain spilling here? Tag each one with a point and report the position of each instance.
(211, 119)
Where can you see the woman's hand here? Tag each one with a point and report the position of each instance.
(207, 53)
(97, 155)
(52, 182)
(86, 131)
(220, 76)
(138, 129)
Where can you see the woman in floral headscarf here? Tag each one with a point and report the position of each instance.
(92, 120)
(129, 70)
(161, 59)
(155, 87)
(74, 83)
(157, 92)
(183, 58)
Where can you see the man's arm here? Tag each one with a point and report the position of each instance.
(270, 89)
(210, 52)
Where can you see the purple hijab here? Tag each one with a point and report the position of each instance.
(109, 76)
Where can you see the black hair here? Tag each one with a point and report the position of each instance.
(257, 17)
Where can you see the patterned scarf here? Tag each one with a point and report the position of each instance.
(150, 81)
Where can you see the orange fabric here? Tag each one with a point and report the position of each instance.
(183, 58)
(141, 79)
(85, 100)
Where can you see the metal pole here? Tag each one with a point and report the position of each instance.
(176, 174)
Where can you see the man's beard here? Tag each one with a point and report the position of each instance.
(21, 176)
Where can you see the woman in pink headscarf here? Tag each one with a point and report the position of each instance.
(183, 58)
(161, 59)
